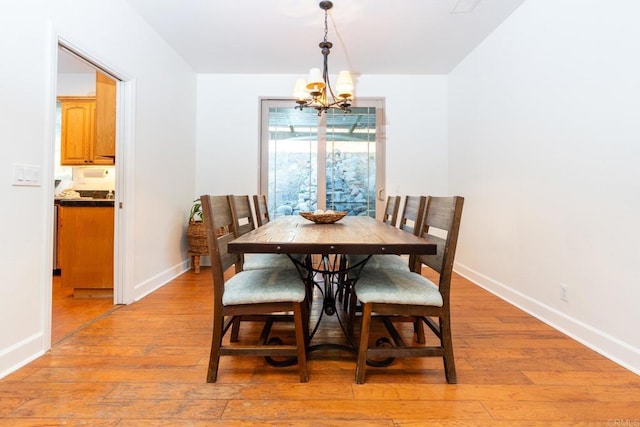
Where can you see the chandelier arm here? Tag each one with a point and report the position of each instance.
(325, 73)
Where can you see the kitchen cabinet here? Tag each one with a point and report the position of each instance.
(105, 144)
(85, 137)
(77, 130)
(85, 248)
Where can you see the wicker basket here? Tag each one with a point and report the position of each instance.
(325, 218)
(197, 237)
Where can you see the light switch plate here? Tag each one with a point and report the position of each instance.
(26, 175)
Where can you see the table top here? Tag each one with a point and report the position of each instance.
(351, 235)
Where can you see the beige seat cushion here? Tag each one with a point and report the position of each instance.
(264, 286)
(396, 287)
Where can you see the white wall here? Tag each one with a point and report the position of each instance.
(228, 133)
(544, 138)
(76, 84)
(163, 142)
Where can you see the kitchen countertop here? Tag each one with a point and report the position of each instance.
(84, 202)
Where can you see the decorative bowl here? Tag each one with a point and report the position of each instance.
(323, 218)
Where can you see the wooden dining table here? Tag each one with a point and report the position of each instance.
(352, 235)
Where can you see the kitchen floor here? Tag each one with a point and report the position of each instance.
(71, 314)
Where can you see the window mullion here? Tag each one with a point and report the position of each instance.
(322, 162)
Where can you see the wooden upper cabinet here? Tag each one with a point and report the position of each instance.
(89, 125)
(105, 144)
(78, 129)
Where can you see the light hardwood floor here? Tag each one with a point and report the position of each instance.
(69, 314)
(145, 365)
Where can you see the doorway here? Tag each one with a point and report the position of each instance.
(84, 177)
(333, 161)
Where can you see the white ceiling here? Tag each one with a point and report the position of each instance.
(282, 36)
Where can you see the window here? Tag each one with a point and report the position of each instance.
(334, 161)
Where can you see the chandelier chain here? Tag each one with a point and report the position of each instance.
(326, 27)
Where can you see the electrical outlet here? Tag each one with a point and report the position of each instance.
(564, 292)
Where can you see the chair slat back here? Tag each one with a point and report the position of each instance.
(391, 210)
(261, 208)
(242, 215)
(412, 214)
(220, 231)
(441, 213)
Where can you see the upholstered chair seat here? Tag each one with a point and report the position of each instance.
(263, 286)
(397, 287)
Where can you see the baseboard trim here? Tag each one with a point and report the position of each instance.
(143, 289)
(609, 346)
(21, 354)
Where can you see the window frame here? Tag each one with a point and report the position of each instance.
(265, 103)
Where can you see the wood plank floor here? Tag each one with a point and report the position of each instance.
(145, 365)
(70, 314)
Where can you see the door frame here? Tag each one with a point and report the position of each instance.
(123, 292)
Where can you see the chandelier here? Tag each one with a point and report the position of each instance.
(316, 92)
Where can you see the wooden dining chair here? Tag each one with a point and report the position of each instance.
(391, 209)
(264, 292)
(396, 293)
(243, 221)
(261, 209)
(410, 221)
(390, 216)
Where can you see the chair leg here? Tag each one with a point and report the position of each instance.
(301, 340)
(306, 320)
(216, 343)
(364, 343)
(351, 311)
(309, 281)
(447, 344)
(418, 328)
(343, 291)
(235, 329)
